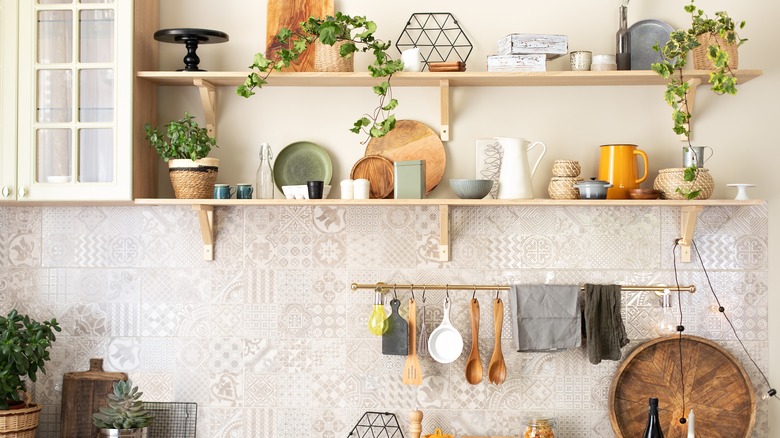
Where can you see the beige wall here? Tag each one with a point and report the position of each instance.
(573, 121)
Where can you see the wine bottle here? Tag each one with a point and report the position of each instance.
(623, 42)
(653, 429)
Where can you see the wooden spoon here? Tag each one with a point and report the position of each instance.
(497, 367)
(412, 371)
(474, 362)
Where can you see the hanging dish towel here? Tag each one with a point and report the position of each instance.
(605, 333)
(545, 317)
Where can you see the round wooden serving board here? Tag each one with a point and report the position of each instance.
(716, 388)
(411, 140)
(379, 172)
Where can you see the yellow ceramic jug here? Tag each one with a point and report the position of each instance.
(618, 166)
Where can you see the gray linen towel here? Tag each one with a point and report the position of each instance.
(604, 330)
(545, 317)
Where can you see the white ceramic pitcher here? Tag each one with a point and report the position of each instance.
(515, 179)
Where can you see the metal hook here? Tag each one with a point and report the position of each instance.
(395, 293)
(423, 298)
(474, 294)
(447, 292)
(411, 288)
(496, 294)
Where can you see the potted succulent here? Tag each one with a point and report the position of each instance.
(185, 147)
(713, 39)
(350, 34)
(24, 351)
(125, 415)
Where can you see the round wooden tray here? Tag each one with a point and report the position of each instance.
(716, 388)
(379, 172)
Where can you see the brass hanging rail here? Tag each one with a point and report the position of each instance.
(472, 287)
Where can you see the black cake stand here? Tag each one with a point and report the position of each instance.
(191, 38)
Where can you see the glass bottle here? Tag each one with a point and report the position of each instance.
(653, 429)
(265, 175)
(623, 42)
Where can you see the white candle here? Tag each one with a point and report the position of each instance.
(362, 188)
(691, 425)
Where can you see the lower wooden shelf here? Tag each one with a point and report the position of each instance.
(688, 209)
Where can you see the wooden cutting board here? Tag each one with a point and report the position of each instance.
(84, 393)
(289, 14)
(716, 388)
(411, 140)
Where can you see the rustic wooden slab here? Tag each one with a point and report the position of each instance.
(552, 46)
(289, 14)
(531, 63)
(84, 393)
(716, 388)
(412, 140)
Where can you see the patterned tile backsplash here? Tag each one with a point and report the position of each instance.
(269, 340)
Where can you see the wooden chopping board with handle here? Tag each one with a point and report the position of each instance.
(289, 14)
(412, 140)
(83, 394)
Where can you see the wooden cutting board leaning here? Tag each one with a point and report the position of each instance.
(84, 393)
(288, 14)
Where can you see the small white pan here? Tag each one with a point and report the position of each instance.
(445, 343)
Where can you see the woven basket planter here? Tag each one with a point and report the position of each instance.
(700, 59)
(668, 180)
(20, 423)
(327, 58)
(562, 187)
(193, 179)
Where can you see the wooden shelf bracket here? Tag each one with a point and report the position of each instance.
(690, 97)
(687, 227)
(444, 232)
(208, 99)
(444, 97)
(206, 219)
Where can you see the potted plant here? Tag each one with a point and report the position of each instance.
(24, 351)
(715, 39)
(351, 34)
(185, 147)
(125, 415)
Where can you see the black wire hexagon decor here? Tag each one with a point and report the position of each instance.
(437, 34)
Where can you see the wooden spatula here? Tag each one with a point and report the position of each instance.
(412, 369)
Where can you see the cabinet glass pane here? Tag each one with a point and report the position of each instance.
(53, 155)
(55, 36)
(96, 155)
(96, 100)
(54, 96)
(97, 1)
(52, 2)
(97, 36)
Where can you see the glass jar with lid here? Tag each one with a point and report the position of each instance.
(540, 427)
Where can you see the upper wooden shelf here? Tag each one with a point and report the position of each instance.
(424, 79)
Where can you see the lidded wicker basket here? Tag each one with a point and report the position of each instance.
(700, 59)
(193, 179)
(668, 180)
(328, 59)
(562, 187)
(568, 168)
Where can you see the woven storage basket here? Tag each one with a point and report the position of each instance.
(20, 423)
(570, 168)
(700, 59)
(563, 188)
(327, 58)
(668, 180)
(193, 179)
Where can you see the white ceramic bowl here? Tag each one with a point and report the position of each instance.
(302, 192)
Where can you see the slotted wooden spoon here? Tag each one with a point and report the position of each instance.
(412, 370)
(474, 362)
(497, 367)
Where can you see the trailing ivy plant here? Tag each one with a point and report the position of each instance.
(357, 33)
(674, 56)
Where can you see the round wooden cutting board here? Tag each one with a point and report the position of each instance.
(411, 140)
(379, 172)
(716, 388)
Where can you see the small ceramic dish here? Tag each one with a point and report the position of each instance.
(471, 188)
(302, 192)
(643, 194)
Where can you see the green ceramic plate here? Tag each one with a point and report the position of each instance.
(300, 162)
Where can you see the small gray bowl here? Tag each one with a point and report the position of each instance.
(471, 188)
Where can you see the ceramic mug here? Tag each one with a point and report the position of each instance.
(223, 191)
(244, 191)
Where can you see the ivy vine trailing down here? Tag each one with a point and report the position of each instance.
(357, 33)
(674, 57)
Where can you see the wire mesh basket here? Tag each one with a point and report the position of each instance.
(377, 425)
(172, 419)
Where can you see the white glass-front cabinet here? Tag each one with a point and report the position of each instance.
(76, 76)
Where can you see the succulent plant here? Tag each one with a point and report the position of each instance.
(125, 409)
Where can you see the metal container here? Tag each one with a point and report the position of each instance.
(409, 179)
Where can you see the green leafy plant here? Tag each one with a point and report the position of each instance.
(125, 409)
(182, 139)
(674, 57)
(357, 33)
(24, 350)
